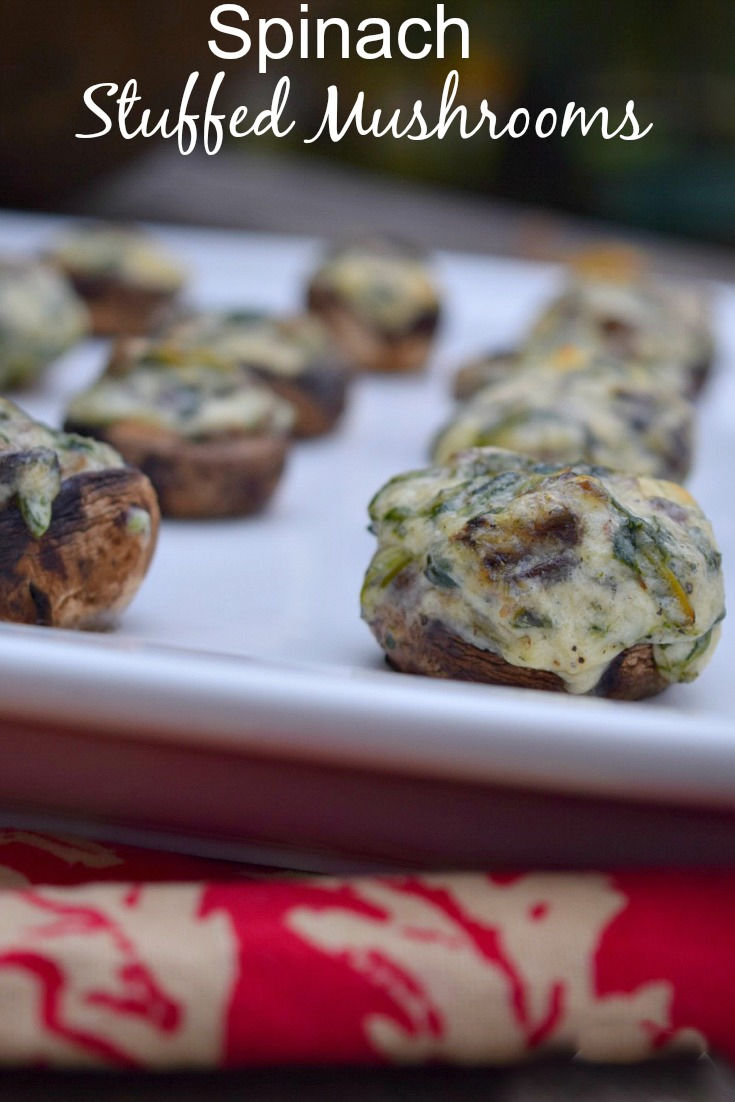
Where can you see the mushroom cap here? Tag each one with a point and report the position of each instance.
(366, 346)
(91, 560)
(126, 278)
(433, 650)
(225, 476)
(379, 299)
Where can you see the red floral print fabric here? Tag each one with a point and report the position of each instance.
(116, 957)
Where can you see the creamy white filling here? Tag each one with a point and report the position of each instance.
(120, 253)
(284, 347)
(188, 399)
(664, 325)
(40, 317)
(389, 290)
(600, 413)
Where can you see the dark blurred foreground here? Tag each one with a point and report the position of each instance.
(547, 1081)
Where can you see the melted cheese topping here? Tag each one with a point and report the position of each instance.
(666, 326)
(118, 253)
(600, 412)
(40, 317)
(387, 289)
(190, 399)
(35, 460)
(283, 347)
(557, 569)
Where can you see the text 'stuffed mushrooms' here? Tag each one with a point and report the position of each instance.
(497, 568)
(78, 528)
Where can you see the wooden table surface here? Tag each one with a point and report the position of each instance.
(281, 194)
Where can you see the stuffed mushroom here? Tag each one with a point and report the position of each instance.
(78, 527)
(613, 304)
(568, 578)
(211, 439)
(596, 411)
(381, 303)
(127, 280)
(615, 309)
(40, 318)
(293, 356)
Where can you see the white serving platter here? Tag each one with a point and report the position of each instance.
(245, 640)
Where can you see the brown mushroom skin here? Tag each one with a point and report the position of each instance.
(700, 373)
(225, 476)
(427, 647)
(367, 347)
(317, 396)
(89, 564)
(121, 309)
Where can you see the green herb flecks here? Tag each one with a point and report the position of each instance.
(138, 521)
(528, 618)
(34, 479)
(438, 573)
(640, 544)
(684, 668)
(387, 564)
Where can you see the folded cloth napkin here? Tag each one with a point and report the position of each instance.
(118, 957)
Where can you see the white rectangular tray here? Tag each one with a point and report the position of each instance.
(246, 641)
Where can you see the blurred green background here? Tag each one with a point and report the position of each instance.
(675, 59)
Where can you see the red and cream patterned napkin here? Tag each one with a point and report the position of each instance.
(117, 957)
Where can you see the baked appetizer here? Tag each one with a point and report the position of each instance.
(575, 579)
(77, 526)
(40, 318)
(293, 356)
(612, 303)
(210, 438)
(381, 304)
(127, 280)
(600, 412)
